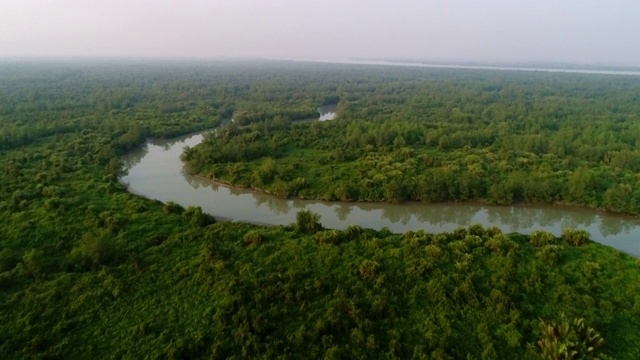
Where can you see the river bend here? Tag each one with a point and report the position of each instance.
(156, 172)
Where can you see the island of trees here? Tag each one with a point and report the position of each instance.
(89, 270)
(495, 137)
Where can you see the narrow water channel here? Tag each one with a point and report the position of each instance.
(156, 172)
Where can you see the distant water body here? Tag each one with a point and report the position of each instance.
(473, 67)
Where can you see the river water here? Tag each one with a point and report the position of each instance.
(327, 112)
(156, 172)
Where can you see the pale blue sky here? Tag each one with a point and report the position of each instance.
(585, 31)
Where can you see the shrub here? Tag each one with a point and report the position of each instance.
(460, 233)
(500, 244)
(307, 222)
(575, 237)
(541, 238)
(94, 250)
(493, 231)
(552, 254)
(473, 241)
(328, 237)
(34, 261)
(253, 238)
(110, 220)
(368, 268)
(568, 340)
(172, 208)
(477, 230)
(433, 251)
(353, 232)
(196, 217)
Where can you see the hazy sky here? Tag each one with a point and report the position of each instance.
(580, 31)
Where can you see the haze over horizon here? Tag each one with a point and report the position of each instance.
(570, 31)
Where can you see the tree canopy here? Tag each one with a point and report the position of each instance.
(89, 270)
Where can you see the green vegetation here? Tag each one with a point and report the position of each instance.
(88, 270)
(432, 136)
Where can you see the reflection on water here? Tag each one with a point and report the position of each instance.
(132, 161)
(343, 211)
(277, 207)
(156, 172)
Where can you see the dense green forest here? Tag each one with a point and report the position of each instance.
(89, 270)
(498, 137)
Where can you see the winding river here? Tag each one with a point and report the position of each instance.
(156, 172)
